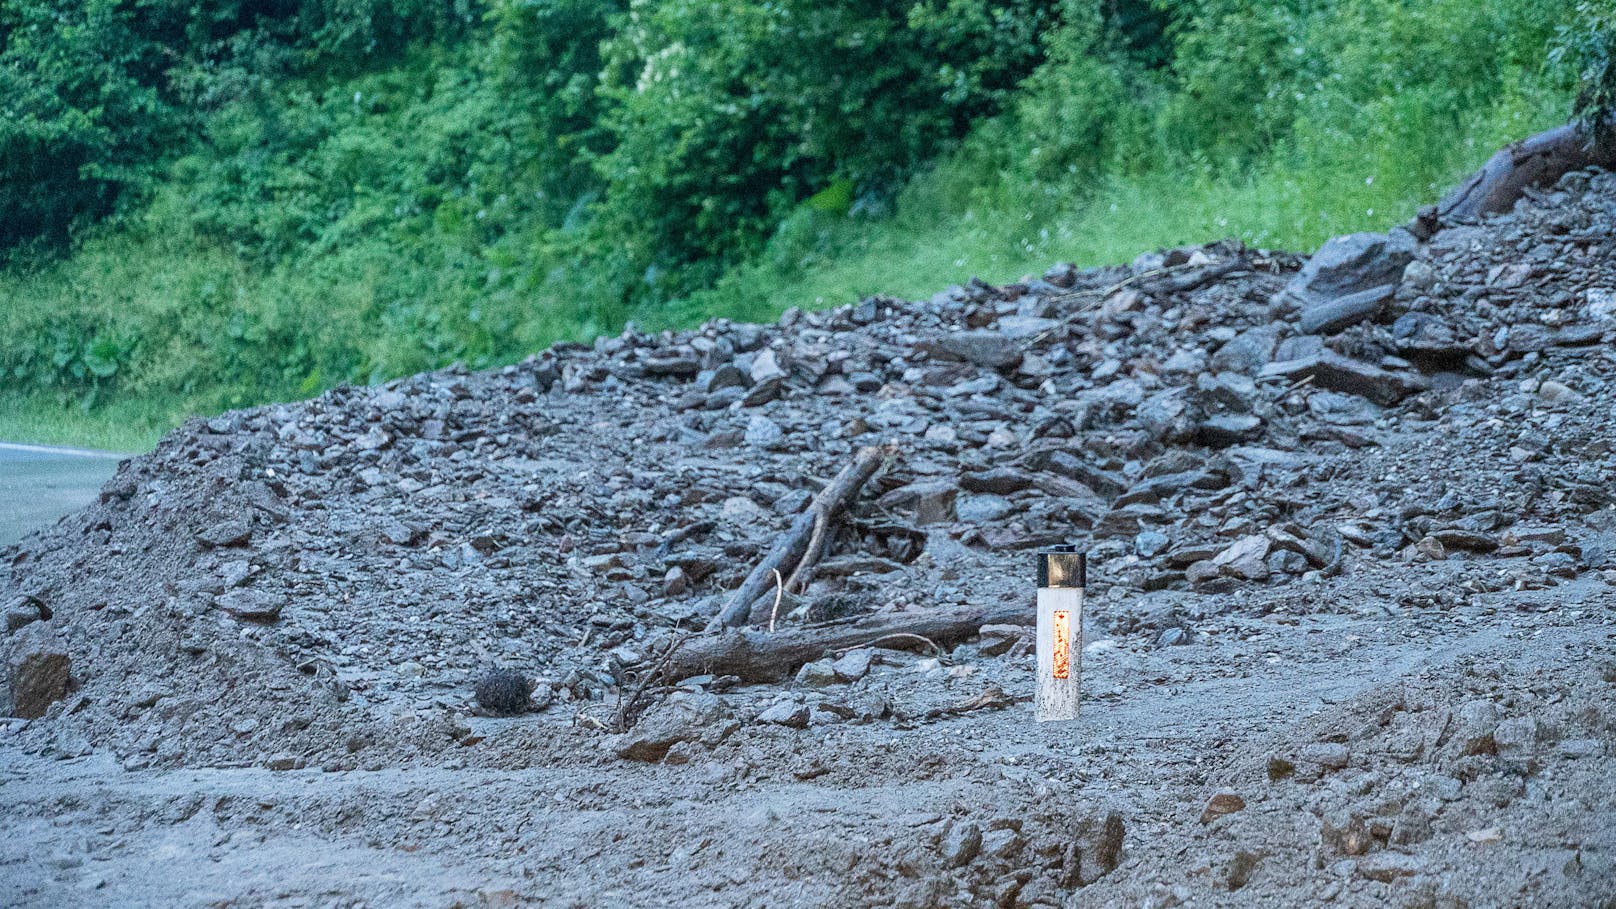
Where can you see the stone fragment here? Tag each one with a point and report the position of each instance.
(817, 674)
(1329, 755)
(249, 604)
(853, 665)
(1350, 264)
(961, 845)
(1224, 801)
(983, 348)
(928, 501)
(1333, 371)
(1244, 558)
(38, 671)
(996, 640)
(1327, 317)
(786, 713)
(982, 509)
(686, 717)
(234, 531)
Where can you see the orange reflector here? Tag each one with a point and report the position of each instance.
(1061, 663)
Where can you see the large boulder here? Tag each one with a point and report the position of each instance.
(38, 671)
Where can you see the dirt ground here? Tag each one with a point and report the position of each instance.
(1349, 636)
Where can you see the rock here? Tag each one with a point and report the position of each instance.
(38, 671)
(1241, 867)
(685, 717)
(1224, 430)
(927, 501)
(1351, 264)
(1148, 544)
(1224, 801)
(786, 713)
(854, 664)
(1515, 737)
(234, 531)
(817, 674)
(1333, 371)
(1244, 558)
(1003, 843)
(997, 640)
(1389, 866)
(24, 609)
(249, 604)
(766, 368)
(675, 582)
(1329, 755)
(1099, 844)
(1000, 480)
(1326, 317)
(763, 432)
(982, 509)
(961, 845)
(983, 348)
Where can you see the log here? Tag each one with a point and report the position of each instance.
(1537, 161)
(756, 656)
(790, 548)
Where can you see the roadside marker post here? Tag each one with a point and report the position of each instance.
(1062, 575)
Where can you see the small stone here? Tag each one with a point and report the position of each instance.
(766, 368)
(853, 665)
(817, 674)
(786, 713)
(229, 532)
(982, 509)
(249, 605)
(1244, 558)
(675, 582)
(996, 640)
(961, 845)
(763, 432)
(983, 348)
(38, 671)
(1224, 801)
(1329, 755)
(1150, 543)
(1389, 866)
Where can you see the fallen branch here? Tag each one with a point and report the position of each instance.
(792, 548)
(755, 656)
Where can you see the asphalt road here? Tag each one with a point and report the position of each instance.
(38, 485)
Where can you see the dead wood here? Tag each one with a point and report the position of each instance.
(792, 549)
(755, 656)
(1536, 161)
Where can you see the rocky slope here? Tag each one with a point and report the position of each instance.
(1349, 632)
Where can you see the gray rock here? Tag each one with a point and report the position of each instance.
(999, 480)
(1244, 558)
(854, 664)
(249, 604)
(24, 609)
(982, 509)
(928, 501)
(235, 531)
(1150, 543)
(1350, 264)
(1224, 430)
(1333, 371)
(817, 674)
(997, 640)
(687, 717)
(1330, 316)
(38, 671)
(1329, 755)
(763, 432)
(786, 713)
(961, 845)
(766, 368)
(983, 348)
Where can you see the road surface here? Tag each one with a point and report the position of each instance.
(38, 484)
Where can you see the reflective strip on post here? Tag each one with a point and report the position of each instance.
(1062, 575)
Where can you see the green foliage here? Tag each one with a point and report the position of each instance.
(725, 115)
(1589, 46)
(267, 199)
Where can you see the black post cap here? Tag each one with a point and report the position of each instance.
(1063, 566)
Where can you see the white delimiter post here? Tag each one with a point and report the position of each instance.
(1062, 574)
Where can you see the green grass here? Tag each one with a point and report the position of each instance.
(122, 426)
